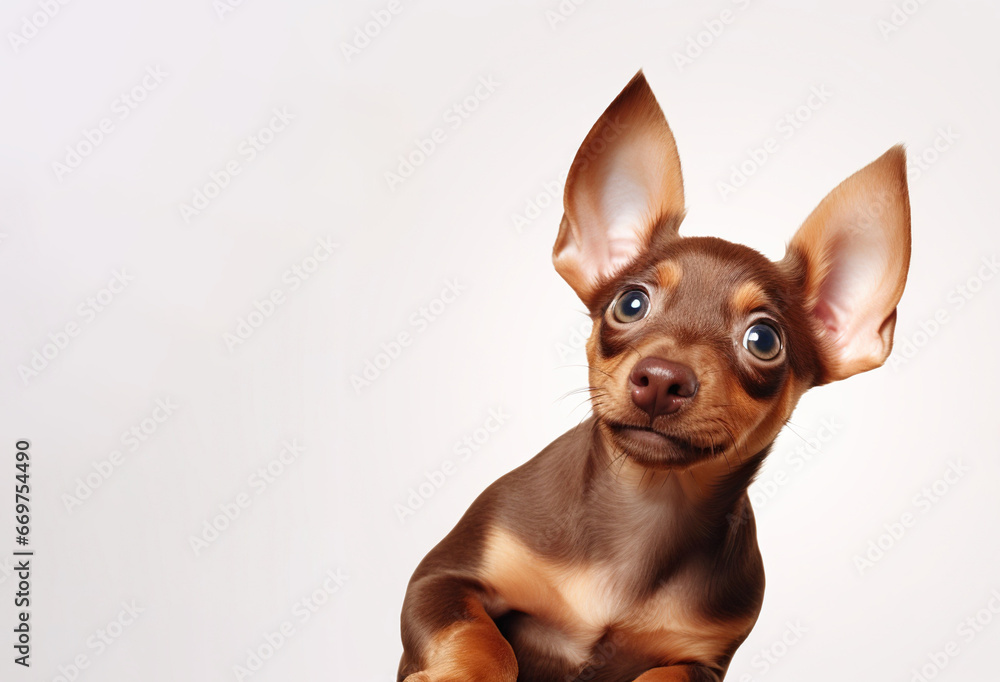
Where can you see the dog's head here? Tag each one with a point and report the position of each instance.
(701, 347)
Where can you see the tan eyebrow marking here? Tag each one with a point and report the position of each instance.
(669, 273)
(747, 297)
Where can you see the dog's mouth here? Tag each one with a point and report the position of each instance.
(653, 448)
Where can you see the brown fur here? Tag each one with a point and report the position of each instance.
(626, 549)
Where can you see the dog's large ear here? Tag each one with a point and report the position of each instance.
(852, 254)
(624, 183)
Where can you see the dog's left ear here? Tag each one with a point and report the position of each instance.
(625, 183)
(852, 254)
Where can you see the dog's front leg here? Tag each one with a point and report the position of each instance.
(679, 673)
(449, 637)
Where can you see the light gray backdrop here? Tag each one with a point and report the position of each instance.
(202, 248)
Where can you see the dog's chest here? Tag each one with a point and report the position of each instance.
(579, 612)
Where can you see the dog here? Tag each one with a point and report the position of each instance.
(627, 549)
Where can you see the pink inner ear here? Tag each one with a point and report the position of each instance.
(610, 208)
(618, 197)
(831, 321)
(857, 248)
(620, 250)
(849, 293)
(625, 177)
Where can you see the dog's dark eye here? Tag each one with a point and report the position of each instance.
(631, 306)
(763, 341)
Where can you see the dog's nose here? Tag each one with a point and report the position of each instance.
(661, 387)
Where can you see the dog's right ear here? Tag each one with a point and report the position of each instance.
(625, 183)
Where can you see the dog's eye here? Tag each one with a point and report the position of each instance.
(763, 341)
(631, 306)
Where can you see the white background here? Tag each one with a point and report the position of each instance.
(506, 343)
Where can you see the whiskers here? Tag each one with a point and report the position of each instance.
(596, 398)
(727, 433)
(620, 456)
(597, 395)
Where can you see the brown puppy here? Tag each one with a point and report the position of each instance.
(626, 550)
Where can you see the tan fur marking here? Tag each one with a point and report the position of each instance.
(678, 673)
(464, 650)
(669, 273)
(584, 602)
(748, 297)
